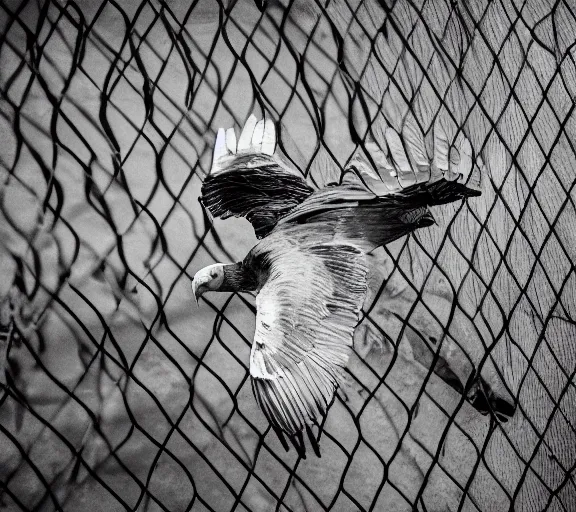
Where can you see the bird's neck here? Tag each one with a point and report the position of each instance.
(239, 278)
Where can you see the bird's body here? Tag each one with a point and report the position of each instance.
(309, 268)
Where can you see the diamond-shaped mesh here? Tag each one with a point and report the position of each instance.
(116, 393)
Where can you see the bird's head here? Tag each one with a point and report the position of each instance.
(210, 278)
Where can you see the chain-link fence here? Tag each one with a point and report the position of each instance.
(117, 393)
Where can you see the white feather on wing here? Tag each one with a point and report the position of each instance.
(307, 312)
(248, 179)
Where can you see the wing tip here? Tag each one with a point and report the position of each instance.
(269, 137)
(219, 151)
(298, 441)
(245, 140)
(257, 138)
(403, 160)
(289, 415)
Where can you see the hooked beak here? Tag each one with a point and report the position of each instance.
(209, 278)
(196, 291)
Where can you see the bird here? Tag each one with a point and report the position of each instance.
(309, 267)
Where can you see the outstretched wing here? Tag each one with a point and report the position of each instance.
(399, 163)
(307, 312)
(385, 193)
(248, 180)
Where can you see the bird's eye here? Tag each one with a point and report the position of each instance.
(213, 275)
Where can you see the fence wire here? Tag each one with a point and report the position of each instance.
(116, 393)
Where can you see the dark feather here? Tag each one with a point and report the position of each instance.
(265, 191)
(256, 187)
(357, 215)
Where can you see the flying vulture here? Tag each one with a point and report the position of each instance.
(309, 267)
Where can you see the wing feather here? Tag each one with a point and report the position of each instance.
(246, 136)
(248, 180)
(401, 160)
(307, 312)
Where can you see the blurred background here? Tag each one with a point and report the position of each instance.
(117, 393)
